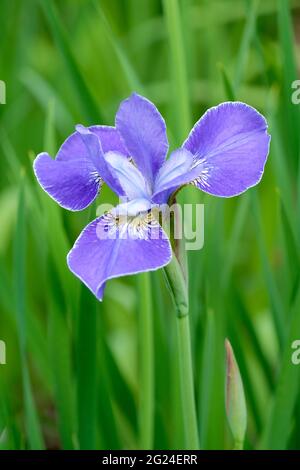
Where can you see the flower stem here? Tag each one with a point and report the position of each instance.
(177, 285)
(179, 291)
(187, 383)
(146, 420)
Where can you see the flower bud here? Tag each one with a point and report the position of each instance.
(235, 399)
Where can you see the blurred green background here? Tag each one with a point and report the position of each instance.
(74, 373)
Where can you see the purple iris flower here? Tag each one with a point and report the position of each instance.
(223, 155)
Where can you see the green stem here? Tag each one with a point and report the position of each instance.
(179, 292)
(177, 286)
(146, 416)
(187, 383)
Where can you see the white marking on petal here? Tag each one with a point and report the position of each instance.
(123, 226)
(204, 175)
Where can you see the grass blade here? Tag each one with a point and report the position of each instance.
(178, 71)
(279, 424)
(33, 429)
(87, 370)
(90, 110)
(146, 422)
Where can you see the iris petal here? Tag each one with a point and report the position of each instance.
(107, 249)
(230, 145)
(74, 177)
(74, 148)
(110, 138)
(129, 177)
(72, 186)
(177, 166)
(96, 155)
(144, 132)
(132, 208)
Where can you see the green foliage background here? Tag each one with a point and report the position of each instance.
(73, 372)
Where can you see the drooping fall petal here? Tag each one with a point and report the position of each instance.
(111, 246)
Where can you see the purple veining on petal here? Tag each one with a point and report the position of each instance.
(231, 144)
(97, 255)
(110, 138)
(74, 177)
(111, 141)
(72, 183)
(72, 186)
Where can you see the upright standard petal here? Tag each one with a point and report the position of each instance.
(230, 145)
(74, 148)
(144, 132)
(110, 138)
(111, 246)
